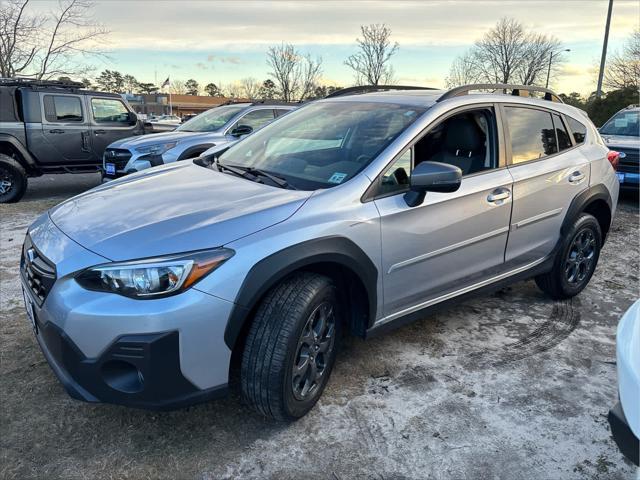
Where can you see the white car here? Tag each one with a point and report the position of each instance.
(624, 418)
(172, 119)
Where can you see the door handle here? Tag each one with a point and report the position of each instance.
(498, 195)
(56, 130)
(99, 132)
(576, 177)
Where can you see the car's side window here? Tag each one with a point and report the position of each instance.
(564, 141)
(256, 119)
(108, 110)
(532, 134)
(62, 108)
(578, 129)
(396, 177)
(280, 112)
(467, 140)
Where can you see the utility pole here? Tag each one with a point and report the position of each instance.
(604, 51)
(550, 59)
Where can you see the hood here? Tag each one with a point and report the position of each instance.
(621, 141)
(172, 209)
(164, 137)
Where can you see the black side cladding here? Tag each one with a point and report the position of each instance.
(269, 271)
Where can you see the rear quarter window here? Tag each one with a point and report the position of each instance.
(578, 129)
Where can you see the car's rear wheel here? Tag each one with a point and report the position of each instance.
(575, 261)
(13, 180)
(291, 347)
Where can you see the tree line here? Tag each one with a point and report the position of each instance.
(60, 43)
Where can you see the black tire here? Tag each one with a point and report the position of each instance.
(575, 261)
(276, 342)
(13, 180)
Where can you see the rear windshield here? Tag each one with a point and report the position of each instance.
(323, 144)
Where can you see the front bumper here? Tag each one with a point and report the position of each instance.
(135, 370)
(160, 353)
(622, 434)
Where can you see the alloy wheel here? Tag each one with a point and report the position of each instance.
(580, 258)
(314, 351)
(6, 181)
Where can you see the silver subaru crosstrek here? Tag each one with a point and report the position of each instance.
(348, 216)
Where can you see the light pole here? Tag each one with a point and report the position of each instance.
(550, 59)
(604, 50)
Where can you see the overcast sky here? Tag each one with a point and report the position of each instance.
(223, 41)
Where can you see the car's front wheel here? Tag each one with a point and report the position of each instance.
(13, 180)
(576, 260)
(291, 347)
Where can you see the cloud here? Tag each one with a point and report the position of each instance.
(230, 60)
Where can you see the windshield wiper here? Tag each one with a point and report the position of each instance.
(281, 182)
(255, 173)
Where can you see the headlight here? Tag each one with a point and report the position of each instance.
(156, 149)
(153, 277)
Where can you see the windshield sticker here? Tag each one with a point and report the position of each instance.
(337, 177)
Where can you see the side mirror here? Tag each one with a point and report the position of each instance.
(241, 130)
(432, 177)
(133, 118)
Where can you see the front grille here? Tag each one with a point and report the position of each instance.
(631, 162)
(38, 272)
(117, 156)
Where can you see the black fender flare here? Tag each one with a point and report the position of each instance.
(270, 270)
(582, 201)
(27, 160)
(189, 152)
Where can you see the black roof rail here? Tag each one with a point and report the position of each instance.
(31, 82)
(515, 90)
(373, 88)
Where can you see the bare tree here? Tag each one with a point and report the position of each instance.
(623, 69)
(371, 63)
(178, 87)
(295, 75)
(233, 90)
(462, 72)
(250, 87)
(537, 53)
(47, 46)
(507, 53)
(283, 61)
(311, 70)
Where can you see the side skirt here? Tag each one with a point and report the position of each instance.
(390, 323)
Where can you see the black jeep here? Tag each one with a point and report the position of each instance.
(56, 127)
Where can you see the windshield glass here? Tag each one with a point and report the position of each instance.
(622, 123)
(323, 144)
(211, 120)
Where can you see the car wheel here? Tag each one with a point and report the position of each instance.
(576, 260)
(13, 180)
(291, 347)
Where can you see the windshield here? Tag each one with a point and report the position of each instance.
(622, 123)
(211, 120)
(323, 144)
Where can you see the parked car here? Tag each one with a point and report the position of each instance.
(56, 127)
(624, 418)
(622, 134)
(349, 216)
(171, 119)
(217, 126)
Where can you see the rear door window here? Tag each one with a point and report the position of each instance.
(62, 108)
(564, 141)
(532, 134)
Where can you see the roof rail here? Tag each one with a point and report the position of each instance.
(373, 88)
(515, 90)
(31, 82)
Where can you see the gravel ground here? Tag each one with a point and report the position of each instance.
(512, 385)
